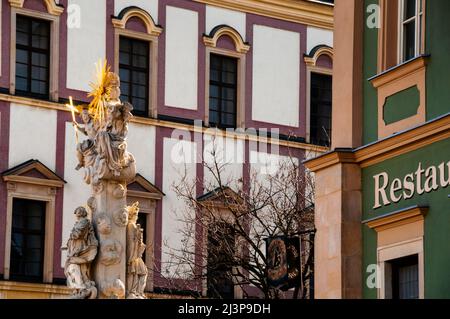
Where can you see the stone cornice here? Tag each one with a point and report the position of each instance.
(390, 147)
(299, 11)
(398, 218)
(173, 125)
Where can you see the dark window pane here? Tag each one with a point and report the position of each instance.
(228, 94)
(214, 91)
(229, 78)
(222, 91)
(138, 91)
(124, 58)
(21, 70)
(125, 88)
(410, 9)
(409, 40)
(140, 78)
(21, 84)
(124, 75)
(321, 105)
(22, 38)
(27, 240)
(40, 42)
(22, 56)
(214, 75)
(405, 277)
(38, 73)
(32, 49)
(213, 104)
(140, 61)
(134, 73)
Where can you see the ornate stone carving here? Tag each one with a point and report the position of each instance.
(108, 167)
(81, 251)
(136, 269)
(113, 289)
(121, 217)
(119, 191)
(104, 224)
(110, 252)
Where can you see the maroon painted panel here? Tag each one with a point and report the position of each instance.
(324, 61)
(62, 118)
(176, 111)
(6, 39)
(4, 159)
(136, 24)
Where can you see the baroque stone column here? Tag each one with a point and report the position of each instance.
(108, 167)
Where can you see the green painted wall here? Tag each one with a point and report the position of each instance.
(438, 70)
(370, 112)
(437, 222)
(401, 105)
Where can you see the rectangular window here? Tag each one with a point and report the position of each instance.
(27, 240)
(321, 105)
(221, 243)
(222, 91)
(32, 57)
(405, 278)
(411, 22)
(134, 61)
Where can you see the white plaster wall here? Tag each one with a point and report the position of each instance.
(87, 44)
(76, 192)
(216, 16)
(181, 58)
(229, 154)
(151, 6)
(32, 135)
(178, 157)
(316, 36)
(276, 76)
(141, 143)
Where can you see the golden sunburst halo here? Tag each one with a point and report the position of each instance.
(100, 93)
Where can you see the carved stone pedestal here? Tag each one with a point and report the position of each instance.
(110, 219)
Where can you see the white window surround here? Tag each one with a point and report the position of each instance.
(53, 16)
(151, 36)
(419, 20)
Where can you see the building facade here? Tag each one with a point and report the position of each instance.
(382, 197)
(261, 65)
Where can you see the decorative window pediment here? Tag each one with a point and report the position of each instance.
(224, 30)
(141, 187)
(126, 14)
(33, 172)
(52, 7)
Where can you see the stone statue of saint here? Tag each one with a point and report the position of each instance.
(111, 143)
(81, 248)
(136, 269)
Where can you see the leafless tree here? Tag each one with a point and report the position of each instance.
(225, 229)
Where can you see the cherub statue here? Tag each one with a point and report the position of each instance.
(136, 269)
(86, 149)
(81, 249)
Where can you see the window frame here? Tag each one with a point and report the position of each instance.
(30, 51)
(152, 35)
(53, 17)
(26, 278)
(310, 75)
(240, 83)
(224, 85)
(131, 68)
(312, 67)
(419, 30)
